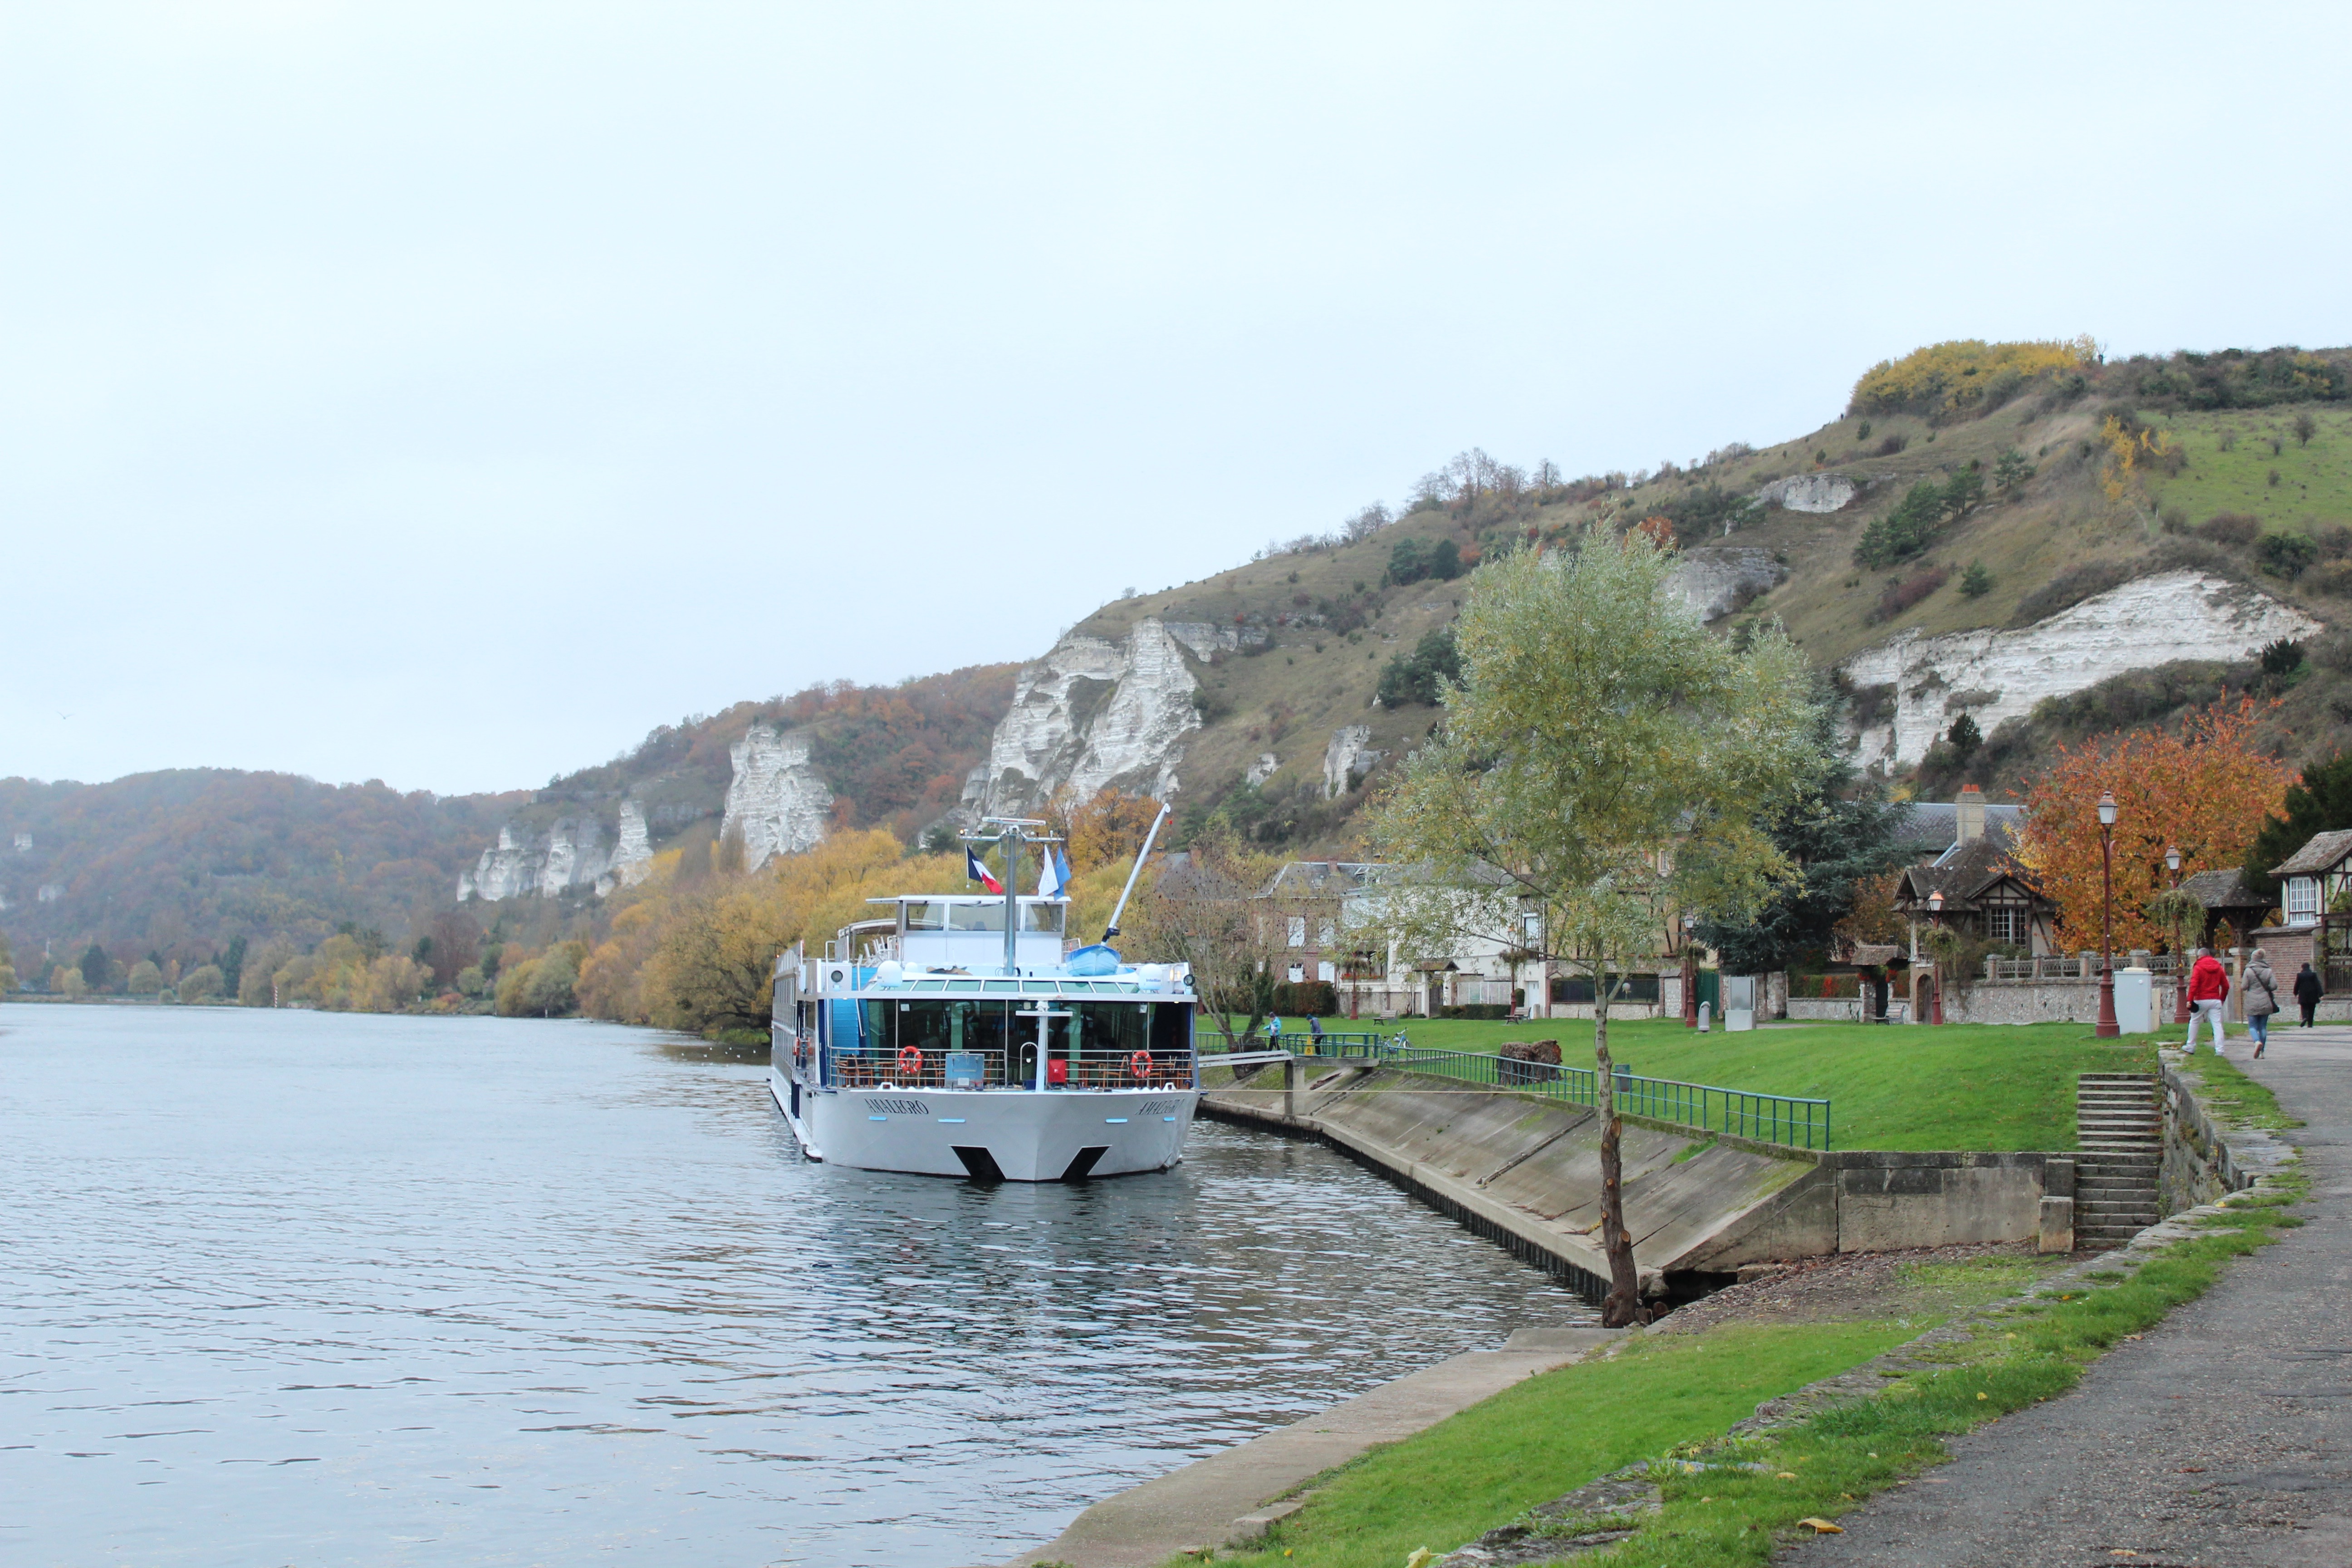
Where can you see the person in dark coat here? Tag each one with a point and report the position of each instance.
(2308, 990)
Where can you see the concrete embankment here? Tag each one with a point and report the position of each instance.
(1229, 1498)
(1526, 1171)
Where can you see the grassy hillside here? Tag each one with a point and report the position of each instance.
(2211, 439)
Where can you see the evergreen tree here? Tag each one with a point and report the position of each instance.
(2321, 803)
(1838, 828)
(93, 967)
(232, 967)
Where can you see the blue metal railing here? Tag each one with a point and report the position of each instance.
(1792, 1121)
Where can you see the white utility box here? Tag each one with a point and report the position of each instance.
(1738, 1003)
(2135, 1001)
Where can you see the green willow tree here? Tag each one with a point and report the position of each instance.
(1602, 766)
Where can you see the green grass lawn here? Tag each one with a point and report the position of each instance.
(1890, 1085)
(1553, 1433)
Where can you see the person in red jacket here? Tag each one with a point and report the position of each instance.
(2209, 987)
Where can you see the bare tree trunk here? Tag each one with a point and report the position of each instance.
(1622, 1306)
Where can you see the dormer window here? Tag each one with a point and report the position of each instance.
(2302, 900)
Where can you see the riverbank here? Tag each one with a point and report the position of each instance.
(1740, 1485)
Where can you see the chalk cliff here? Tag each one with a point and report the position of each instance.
(1095, 712)
(1715, 582)
(776, 800)
(1998, 674)
(567, 853)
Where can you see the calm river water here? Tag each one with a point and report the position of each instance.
(313, 1289)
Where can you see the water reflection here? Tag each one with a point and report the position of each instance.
(298, 1287)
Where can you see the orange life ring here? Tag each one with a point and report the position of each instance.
(1139, 1065)
(911, 1063)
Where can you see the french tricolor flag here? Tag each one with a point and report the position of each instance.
(980, 873)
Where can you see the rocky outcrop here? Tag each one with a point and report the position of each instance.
(1264, 768)
(1348, 759)
(567, 853)
(1208, 638)
(776, 800)
(1809, 493)
(1095, 712)
(1999, 675)
(1714, 583)
(633, 855)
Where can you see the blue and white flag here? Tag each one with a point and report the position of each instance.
(1054, 876)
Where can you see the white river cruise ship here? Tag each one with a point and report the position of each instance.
(937, 1041)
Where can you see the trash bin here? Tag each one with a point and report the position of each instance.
(2136, 1000)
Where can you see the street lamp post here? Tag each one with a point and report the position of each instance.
(1935, 963)
(1690, 972)
(2109, 1028)
(2179, 954)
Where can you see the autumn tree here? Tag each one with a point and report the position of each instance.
(2204, 789)
(1206, 912)
(1605, 759)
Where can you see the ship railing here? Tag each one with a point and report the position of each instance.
(990, 1069)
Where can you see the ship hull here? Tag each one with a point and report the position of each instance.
(993, 1135)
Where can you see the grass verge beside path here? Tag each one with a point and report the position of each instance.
(1444, 1487)
(1955, 1086)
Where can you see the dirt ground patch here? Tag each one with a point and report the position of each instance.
(1916, 1282)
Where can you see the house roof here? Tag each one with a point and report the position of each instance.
(1963, 873)
(2224, 890)
(2324, 851)
(1323, 878)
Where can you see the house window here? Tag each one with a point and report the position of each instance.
(2007, 923)
(1327, 935)
(1297, 973)
(1298, 931)
(2302, 899)
(1327, 970)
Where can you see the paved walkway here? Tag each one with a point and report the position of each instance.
(2223, 1437)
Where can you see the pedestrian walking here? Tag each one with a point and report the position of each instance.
(1314, 1029)
(2209, 987)
(1274, 1029)
(2262, 998)
(2308, 988)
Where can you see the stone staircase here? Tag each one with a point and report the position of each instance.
(2120, 1132)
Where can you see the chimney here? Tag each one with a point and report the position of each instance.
(1970, 813)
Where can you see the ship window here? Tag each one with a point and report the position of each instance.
(928, 986)
(924, 916)
(1036, 987)
(1000, 985)
(988, 916)
(1040, 917)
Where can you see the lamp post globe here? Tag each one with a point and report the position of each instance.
(2108, 1027)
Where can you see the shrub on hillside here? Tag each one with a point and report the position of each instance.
(1709, 512)
(1964, 377)
(2288, 555)
(1418, 676)
(1893, 444)
(1976, 582)
(2230, 527)
(1901, 597)
(1413, 560)
(1918, 519)
(2236, 378)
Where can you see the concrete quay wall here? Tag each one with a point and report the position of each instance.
(1525, 1172)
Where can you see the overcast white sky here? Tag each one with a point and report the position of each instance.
(449, 394)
